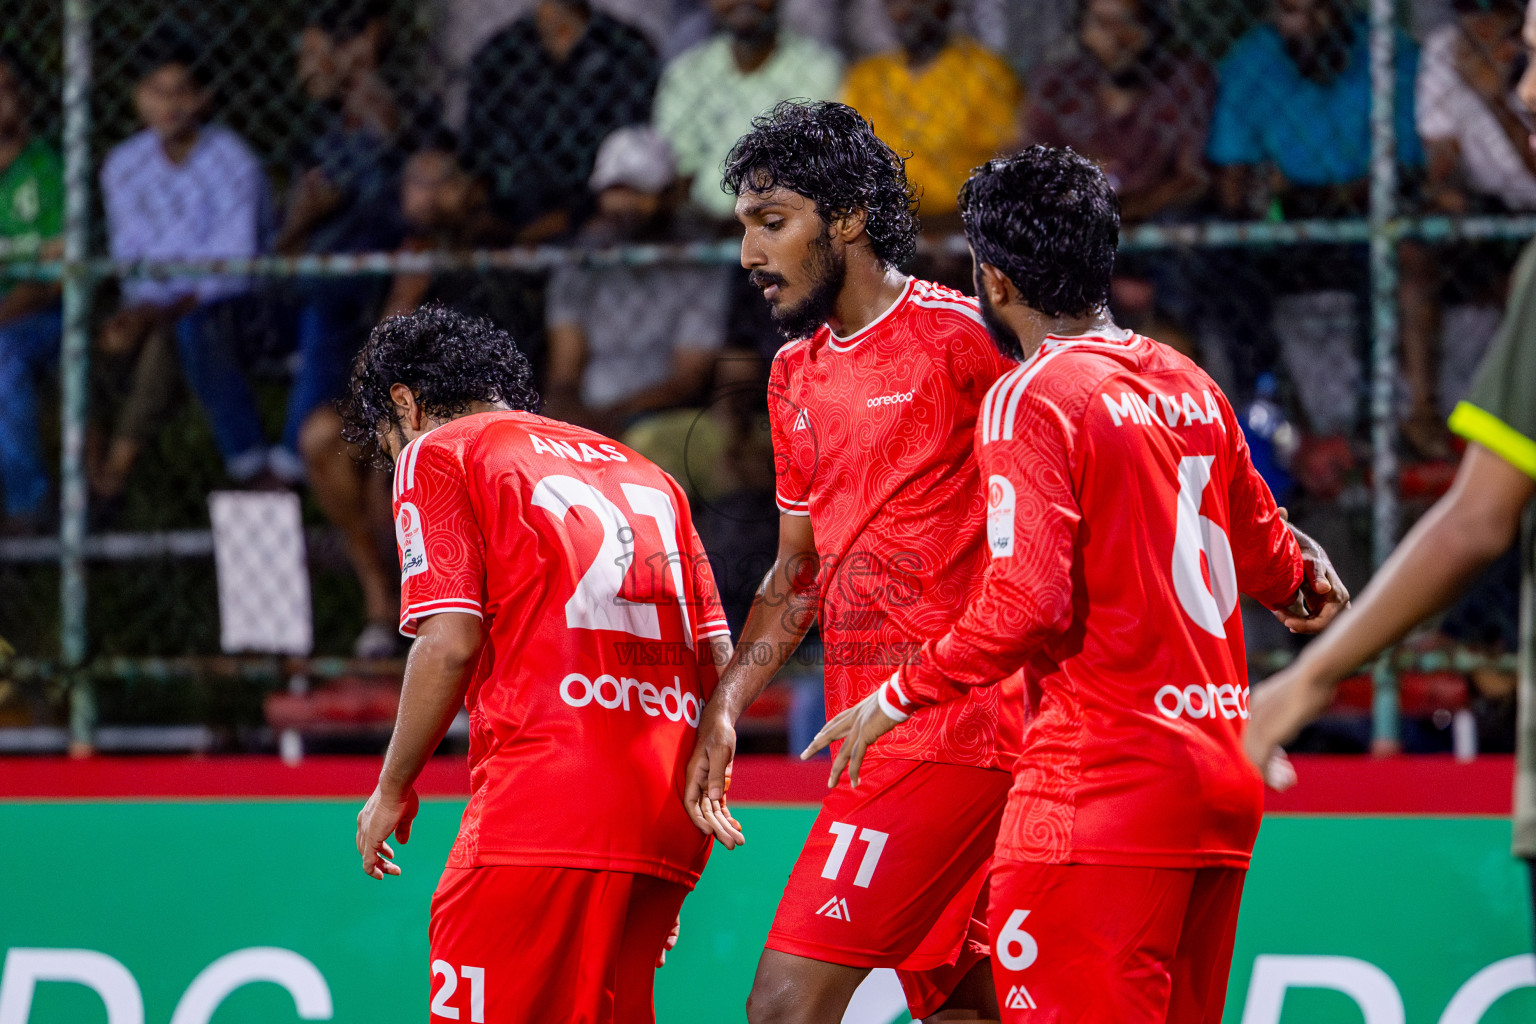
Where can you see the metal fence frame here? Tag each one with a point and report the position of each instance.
(79, 272)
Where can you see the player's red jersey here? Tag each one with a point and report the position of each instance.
(872, 438)
(582, 559)
(1124, 517)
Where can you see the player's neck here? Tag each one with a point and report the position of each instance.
(431, 423)
(866, 294)
(1036, 327)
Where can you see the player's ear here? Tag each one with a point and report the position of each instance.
(849, 226)
(407, 412)
(1000, 290)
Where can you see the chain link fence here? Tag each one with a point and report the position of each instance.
(208, 205)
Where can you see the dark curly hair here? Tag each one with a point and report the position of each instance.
(449, 359)
(1049, 220)
(828, 153)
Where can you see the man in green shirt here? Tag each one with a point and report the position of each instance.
(31, 226)
(1461, 535)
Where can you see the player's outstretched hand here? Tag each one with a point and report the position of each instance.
(383, 814)
(709, 776)
(671, 942)
(1279, 773)
(859, 726)
(1323, 594)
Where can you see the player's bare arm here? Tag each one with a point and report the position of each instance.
(436, 676)
(1469, 528)
(782, 612)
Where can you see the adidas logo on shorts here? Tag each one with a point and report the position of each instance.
(1018, 998)
(836, 908)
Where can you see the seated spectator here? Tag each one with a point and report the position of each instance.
(1478, 145)
(1291, 138)
(1135, 101)
(942, 97)
(344, 198)
(630, 340)
(1132, 101)
(31, 223)
(1480, 161)
(181, 189)
(543, 93)
(710, 93)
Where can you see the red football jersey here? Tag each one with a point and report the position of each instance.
(1124, 516)
(872, 438)
(582, 559)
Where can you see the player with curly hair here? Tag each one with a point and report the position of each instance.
(544, 570)
(873, 402)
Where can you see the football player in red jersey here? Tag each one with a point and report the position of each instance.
(873, 406)
(1124, 517)
(557, 589)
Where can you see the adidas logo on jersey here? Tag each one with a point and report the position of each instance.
(1018, 998)
(803, 421)
(836, 908)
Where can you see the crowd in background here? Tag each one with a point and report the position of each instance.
(596, 124)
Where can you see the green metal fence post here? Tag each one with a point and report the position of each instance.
(74, 368)
(1384, 327)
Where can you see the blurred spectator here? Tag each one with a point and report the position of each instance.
(345, 197)
(543, 94)
(178, 190)
(709, 94)
(31, 223)
(1291, 136)
(629, 340)
(944, 98)
(1138, 103)
(1038, 31)
(1478, 146)
(1132, 101)
(1295, 94)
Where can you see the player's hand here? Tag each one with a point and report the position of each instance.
(1322, 595)
(383, 814)
(858, 727)
(709, 776)
(1279, 773)
(671, 942)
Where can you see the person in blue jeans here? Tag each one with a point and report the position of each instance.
(31, 222)
(183, 189)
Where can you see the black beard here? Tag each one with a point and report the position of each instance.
(1003, 336)
(828, 271)
(1324, 57)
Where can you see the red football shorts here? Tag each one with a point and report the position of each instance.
(893, 873)
(1094, 944)
(514, 944)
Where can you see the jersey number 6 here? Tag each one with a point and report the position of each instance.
(1196, 540)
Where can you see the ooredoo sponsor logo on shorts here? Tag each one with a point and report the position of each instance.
(615, 693)
(1208, 701)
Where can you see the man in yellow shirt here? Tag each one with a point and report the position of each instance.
(944, 98)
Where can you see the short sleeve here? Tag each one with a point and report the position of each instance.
(792, 488)
(1435, 91)
(442, 549)
(1500, 411)
(568, 295)
(701, 319)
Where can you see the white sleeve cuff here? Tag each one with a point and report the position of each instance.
(890, 709)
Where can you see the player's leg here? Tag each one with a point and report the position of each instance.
(789, 989)
(880, 869)
(512, 944)
(1204, 960)
(1091, 944)
(653, 907)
